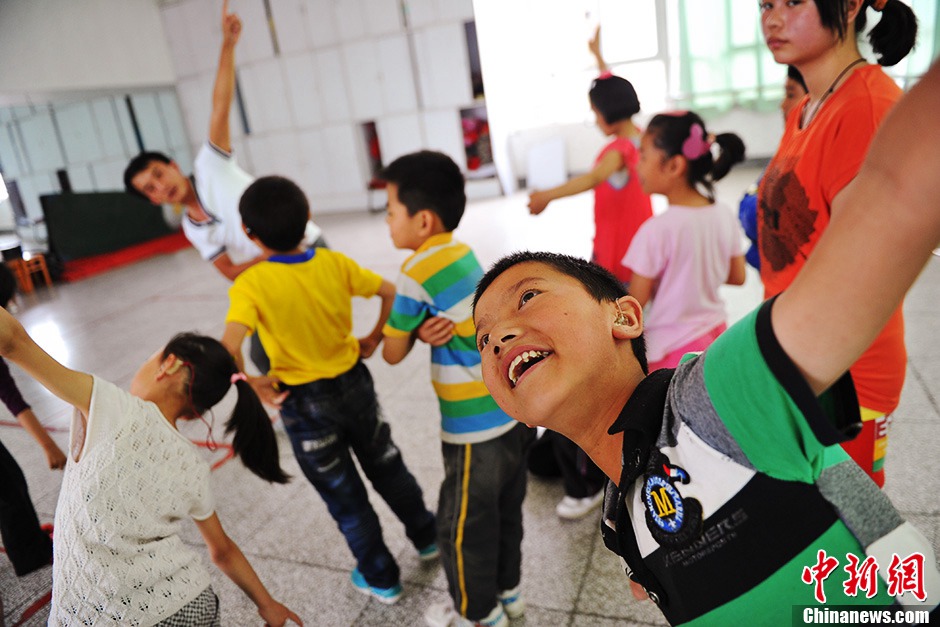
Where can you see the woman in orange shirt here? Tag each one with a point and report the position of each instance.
(821, 151)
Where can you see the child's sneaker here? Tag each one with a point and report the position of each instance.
(444, 615)
(428, 553)
(571, 508)
(512, 602)
(385, 595)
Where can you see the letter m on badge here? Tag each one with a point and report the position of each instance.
(664, 505)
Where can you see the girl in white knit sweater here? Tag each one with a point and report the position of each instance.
(131, 477)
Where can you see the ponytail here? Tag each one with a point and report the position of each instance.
(683, 133)
(730, 152)
(891, 39)
(253, 438)
(212, 372)
(894, 35)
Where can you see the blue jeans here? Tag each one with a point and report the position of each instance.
(324, 420)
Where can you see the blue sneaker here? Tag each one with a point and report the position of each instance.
(385, 595)
(428, 553)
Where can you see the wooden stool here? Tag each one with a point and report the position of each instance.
(23, 281)
(24, 269)
(36, 263)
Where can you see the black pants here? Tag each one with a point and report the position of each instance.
(554, 455)
(26, 544)
(479, 518)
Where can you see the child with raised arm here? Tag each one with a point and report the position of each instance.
(210, 197)
(728, 468)
(25, 541)
(131, 477)
(211, 222)
(681, 257)
(480, 508)
(300, 302)
(620, 205)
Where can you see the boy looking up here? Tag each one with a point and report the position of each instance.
(727, 469)
(480, 507)
(300, 302)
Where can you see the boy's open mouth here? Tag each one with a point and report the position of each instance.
(523, 362)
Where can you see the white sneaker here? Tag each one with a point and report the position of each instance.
(512, 602)
(444, 615)
(571, 508)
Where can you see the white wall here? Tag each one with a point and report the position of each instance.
(341, 63)
(49, 47)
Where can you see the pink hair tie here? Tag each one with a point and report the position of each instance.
(879, 5)
(696, 144)
(605, 74)
(238, 376)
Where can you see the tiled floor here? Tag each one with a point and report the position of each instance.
(110, 323)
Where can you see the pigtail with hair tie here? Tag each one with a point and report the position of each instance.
(879, 5)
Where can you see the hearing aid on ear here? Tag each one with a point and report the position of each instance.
(176, 366)
(621, 319)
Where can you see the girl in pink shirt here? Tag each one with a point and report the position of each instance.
(681, 257)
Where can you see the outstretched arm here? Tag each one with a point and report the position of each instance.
(219, 132)
(594, 45)
(884, 226)
(230, 560)
(610, 163)
(71, 386)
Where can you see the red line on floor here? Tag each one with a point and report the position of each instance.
(40, 603)
(10, 423)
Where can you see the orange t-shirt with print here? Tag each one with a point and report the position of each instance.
(811, 167)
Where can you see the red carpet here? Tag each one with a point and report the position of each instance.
(78, 269)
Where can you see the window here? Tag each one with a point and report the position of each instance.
(723, 61)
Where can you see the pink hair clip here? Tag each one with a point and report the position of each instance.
(238, 376)
(696, 145)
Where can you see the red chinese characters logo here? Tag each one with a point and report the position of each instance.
(818, 573)
(902, 575)
(907, 575)
(862, 575)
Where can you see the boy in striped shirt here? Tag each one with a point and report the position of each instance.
(480, 506)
